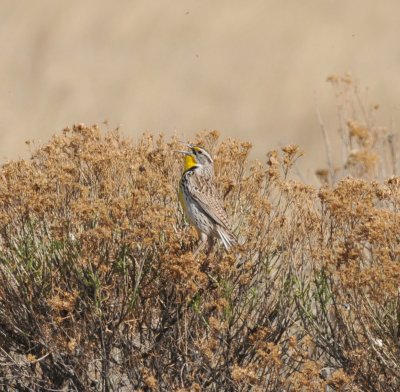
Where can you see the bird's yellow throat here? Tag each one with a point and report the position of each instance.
(190, 161)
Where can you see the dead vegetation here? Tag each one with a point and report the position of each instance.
(99, 290)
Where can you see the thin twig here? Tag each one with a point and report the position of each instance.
(326, 143)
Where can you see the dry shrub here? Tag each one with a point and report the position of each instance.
(368, 151)
(100, 291)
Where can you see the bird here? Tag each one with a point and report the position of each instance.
(200, 200)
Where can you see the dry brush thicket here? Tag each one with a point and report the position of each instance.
(99, 290)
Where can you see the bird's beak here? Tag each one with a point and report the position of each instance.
(183, 152)
(187, 145)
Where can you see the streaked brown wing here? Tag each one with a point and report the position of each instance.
(208, 200)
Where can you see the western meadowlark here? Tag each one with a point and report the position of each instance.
(200, 200)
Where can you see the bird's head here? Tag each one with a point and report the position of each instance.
(197, 156)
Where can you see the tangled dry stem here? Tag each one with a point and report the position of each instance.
(99, 289)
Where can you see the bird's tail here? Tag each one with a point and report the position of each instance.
(227, 238)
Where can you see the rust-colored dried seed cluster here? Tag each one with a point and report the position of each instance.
(99, 289)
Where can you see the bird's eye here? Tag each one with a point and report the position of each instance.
(200, 152)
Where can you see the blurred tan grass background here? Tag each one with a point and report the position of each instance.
(253, 70)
